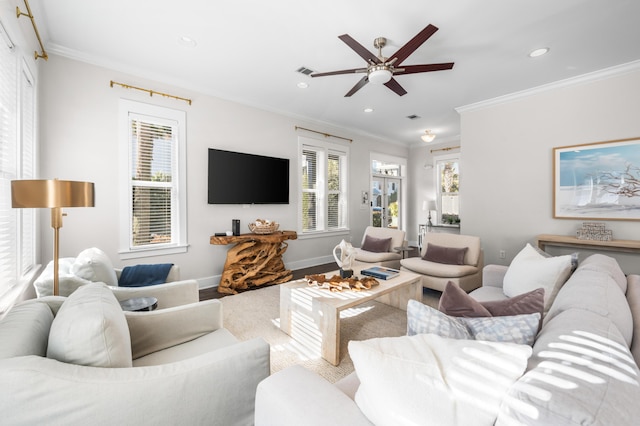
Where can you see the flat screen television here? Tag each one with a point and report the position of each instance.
(239, 178)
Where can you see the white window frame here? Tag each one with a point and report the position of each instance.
(127, 109)
(322, 191)
(437, 160)
(18, 262)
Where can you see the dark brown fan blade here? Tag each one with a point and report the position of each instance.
(351, 71)
(364, 80)
(412, 69)
(413, 44)
(395, 86)
(359, 49)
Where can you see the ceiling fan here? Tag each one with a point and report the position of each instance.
(381, 70)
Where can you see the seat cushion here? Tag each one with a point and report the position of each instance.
(90, 329)
(207, 343)
(434, 269)
(94, 265)
(371, 257)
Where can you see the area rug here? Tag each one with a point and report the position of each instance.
(256, 314)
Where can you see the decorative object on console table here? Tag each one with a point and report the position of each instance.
(263, 226)
(255, 260)
(594, 231)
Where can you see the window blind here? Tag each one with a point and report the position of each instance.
(153, 148)
(8, 168)
(323, 188)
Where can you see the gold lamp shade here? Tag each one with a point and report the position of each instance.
(53, 194)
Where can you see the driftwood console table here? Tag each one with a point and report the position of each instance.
(254, 260)
(624, 246)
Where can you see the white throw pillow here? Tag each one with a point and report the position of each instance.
(94, 265)
(428, 379)
(530, 270)
(91, 329)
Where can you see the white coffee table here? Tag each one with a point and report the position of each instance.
(308, 312)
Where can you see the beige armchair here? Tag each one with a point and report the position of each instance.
(456, 258)
(81, 359)
(93, 265)
(372, 252)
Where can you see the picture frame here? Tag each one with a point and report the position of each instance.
(597, 181)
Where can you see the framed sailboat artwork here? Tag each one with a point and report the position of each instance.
(598, 181)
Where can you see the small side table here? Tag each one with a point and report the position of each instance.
(139, 304)
(403, 250)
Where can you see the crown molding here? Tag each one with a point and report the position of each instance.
(569, 82)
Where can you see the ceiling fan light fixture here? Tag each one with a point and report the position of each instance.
(428, 136)
(380, 75)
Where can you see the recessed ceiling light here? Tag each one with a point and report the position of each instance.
(368, 110)
(303, 85)
(538, 52)
(187, 41)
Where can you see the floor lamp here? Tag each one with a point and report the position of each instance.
(54, 194)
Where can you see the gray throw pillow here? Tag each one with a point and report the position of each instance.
(376, 245)
(446, 255)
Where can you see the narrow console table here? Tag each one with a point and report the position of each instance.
(624, 246)
(254, 260)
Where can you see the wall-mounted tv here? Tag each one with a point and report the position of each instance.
(239, 178)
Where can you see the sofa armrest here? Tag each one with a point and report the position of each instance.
(216, 388)
(295, 396)
(168, 294)
(493, 275)
(156, 330)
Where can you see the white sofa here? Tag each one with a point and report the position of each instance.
(389, 258)
(82, 360)
(584, 367)
(436, 275)
(93, 265)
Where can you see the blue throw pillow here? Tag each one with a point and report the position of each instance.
(144, 275)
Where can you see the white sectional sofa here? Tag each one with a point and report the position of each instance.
(584, 367)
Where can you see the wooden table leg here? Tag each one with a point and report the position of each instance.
(329, 329)
(285, 309)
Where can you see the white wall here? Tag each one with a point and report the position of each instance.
(79, 141)
(506, 167)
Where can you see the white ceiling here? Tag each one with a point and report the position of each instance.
(249, 50)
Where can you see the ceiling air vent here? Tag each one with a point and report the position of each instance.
(412, 116)
(304, 70)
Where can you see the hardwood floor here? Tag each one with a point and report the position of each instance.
(212, 293)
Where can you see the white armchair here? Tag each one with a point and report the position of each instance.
(371, 251)
(81, 359)
(93, 265)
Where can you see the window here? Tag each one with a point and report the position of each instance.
(17, 161)
(448, 174)
(153, 180)
(323, 186)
